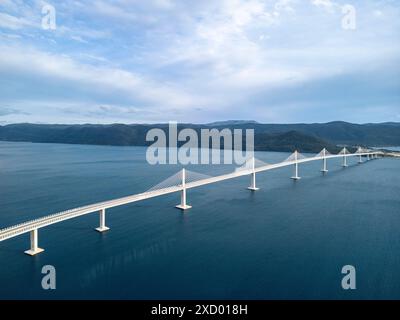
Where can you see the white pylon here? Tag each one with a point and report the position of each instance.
(102, 226)
(324, 168)
(183, 206)
(253, 186)
(296, 167)
(34, 244)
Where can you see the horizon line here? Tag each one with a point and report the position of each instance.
(217, 122)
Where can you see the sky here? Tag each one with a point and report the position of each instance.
(147, 61)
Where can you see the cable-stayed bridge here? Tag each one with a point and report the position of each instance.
(179, 182)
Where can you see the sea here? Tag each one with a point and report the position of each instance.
(288, 240)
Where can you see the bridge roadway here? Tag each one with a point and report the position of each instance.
(33, 225)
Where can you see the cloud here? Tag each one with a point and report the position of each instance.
(199, 60)
(325, 4)
(13, 23)
(10, 4)
(5, 111)
(61, 78)
(114, 11)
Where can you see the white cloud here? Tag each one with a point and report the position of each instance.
(6, 111)
(204, 58)
(285, 5)
(323, 3)
(13, 23)
(114, 11)
(378, 13)
(9, 4)
(95, 80)
(164, 4)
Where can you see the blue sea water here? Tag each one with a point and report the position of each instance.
(289, 240)
(393, 148)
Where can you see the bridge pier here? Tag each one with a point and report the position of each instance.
(324, 168)
(102, 226)
(296, 168)
(34, 244)
(360, 159)
(344, 164)
(296, 172)
(253, 186)
(183, 206)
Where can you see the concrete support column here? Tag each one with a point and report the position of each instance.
(183, 206)
(324, 167)
(34, 244)
(253, 186)
(102, 226)
(296, 167)
(344, 161)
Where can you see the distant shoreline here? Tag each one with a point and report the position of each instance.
(267, 137)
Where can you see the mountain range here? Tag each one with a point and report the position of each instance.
(269, 137)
